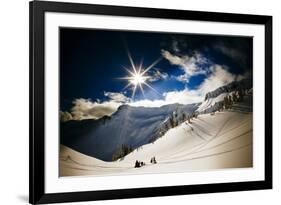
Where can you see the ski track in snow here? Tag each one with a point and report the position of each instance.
(223, 140)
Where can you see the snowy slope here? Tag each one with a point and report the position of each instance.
(132, 126)
(223, 140)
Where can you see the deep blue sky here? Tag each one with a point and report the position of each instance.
(91, 60)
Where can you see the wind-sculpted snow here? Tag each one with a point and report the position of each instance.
(244, 84)
(214, 99)
(211, 101)
(131, 126)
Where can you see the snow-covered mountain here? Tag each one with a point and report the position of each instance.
(214, 99)
(130, 126)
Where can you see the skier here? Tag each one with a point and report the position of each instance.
(137, 164)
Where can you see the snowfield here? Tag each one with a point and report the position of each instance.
(223, 140)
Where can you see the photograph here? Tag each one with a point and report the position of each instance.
(138, 102)
(133, 102)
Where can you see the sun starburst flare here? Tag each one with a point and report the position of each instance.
(138, 76)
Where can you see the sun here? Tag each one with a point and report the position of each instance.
(138, 76)
(137, 79)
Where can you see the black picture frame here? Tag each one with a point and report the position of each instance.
(37, 194)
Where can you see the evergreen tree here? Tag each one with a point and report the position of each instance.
(234, 97)
(167, 126)
(229, 101)
(226, 102)
(122, 152)
(176, 115)
(240, 95)
(175, 123)
(183, 117)
(188, 119)
(171, 120)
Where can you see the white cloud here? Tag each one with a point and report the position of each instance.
(219, 77)
(65, 116)
(175, 46)
(190, 64)
(155, 75)
(178, 44)
(185, 96)
(230, 52)
(182, 78)
(148, 103)
(87, 109)
(117, 97)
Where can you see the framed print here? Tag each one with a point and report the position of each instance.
(139, 102)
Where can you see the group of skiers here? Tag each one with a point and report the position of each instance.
(140, 163)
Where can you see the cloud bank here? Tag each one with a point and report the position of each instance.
(88, 109)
